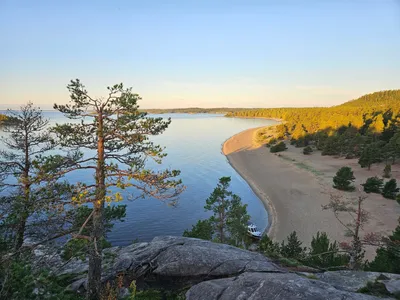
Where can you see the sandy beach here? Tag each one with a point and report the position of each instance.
(293, 187)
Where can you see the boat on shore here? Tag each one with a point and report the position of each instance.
(252, 231)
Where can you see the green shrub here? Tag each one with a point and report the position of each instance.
(373, 185)
(202, 230)
(268, 247)
(293, 248)
(387, 171)
(376, 289)
(307, 150)
(343, 179)
(281, 146)
(390, 189)
(271, 142)
(387, 257)
(324, 254)
(20, 282)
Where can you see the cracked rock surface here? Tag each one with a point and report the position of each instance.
(218, 271)
(283, 286)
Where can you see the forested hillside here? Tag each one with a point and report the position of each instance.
(377, 100)
(367, 128)
(300, 121)
(7, 120)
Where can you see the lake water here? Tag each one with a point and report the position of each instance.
(193, 144)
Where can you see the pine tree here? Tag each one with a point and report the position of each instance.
(237, 221)
(201, 230)
(359, 218)
(343, 179)
(387, 257)
(387, 171)
(293, 248)
(390, 189)
(118, 134)
(229, 220)
(369, 156)
(373, 185)
(29, 193)
(325, 254)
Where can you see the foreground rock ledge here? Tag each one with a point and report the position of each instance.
(286, 286)
(218, 271)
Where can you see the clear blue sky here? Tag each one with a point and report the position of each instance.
(200, 53)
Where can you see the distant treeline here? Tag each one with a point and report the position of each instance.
(300, 121)
(7, 120)
(194, 110)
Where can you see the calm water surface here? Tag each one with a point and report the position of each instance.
(193, 144)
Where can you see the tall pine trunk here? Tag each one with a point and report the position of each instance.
(20, 234)
(23, 214)
(95, 248)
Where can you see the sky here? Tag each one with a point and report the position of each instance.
(208, 53)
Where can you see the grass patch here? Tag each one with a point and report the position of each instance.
(287, 262)
(302, 165)
(377, 289)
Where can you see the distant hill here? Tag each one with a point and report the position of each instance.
(310, 120)
(193, 110)
(382, 99)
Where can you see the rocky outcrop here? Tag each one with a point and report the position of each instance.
(284, 286)
(218, 271)
(352, 281)
(178, 261)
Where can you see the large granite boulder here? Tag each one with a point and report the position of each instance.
(217, 271)
(179, 261)
(258, 286)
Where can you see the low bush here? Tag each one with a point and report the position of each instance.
(373, 185)
(307, 150)
(390, 189)
(281, 146)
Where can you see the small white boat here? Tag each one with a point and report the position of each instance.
(253, 231)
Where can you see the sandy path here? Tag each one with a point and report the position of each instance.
(293, 195)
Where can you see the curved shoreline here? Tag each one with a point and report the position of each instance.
(292, 196)
(268, 205)
(294, 187)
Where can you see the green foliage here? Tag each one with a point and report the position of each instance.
(370, 155)
(202, 230)
(271, 142)
(324, 254)
(323, 119)
(390, 189)
(18, 281)
(218, 204)
(375, 288)
(268, 247)
(373, 185)
(387, 257)
(331, 146)
(343, 179)
(288, 262)
(228, 224)
(118, 137)
(77, 247)
(281, 146)
(28, 193)
(387, 171)
(293, 248)
(307, 150)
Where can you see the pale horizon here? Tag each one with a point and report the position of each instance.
(242, 54)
